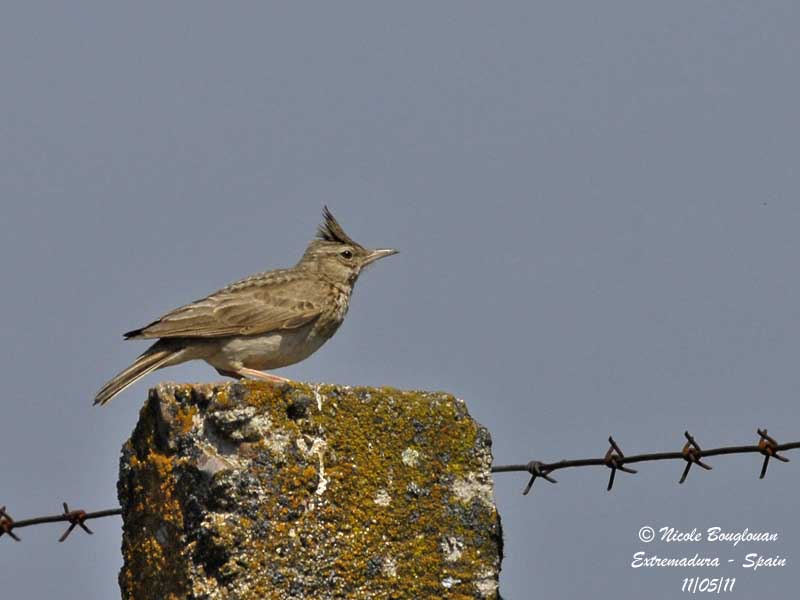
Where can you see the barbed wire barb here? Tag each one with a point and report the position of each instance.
(535, 469)
(691, 453)
(614, 459)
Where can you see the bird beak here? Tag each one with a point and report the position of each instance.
(376, 254)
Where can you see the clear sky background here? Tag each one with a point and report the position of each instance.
(596, 205)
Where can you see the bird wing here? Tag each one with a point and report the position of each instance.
(262, 303)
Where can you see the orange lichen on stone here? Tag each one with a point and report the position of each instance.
(185, 416)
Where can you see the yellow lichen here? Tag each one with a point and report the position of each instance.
(185, 416)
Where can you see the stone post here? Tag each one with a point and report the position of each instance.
(294, 491)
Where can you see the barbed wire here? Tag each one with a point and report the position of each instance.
(75, 518)
(615, 460)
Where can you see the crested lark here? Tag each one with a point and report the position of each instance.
(265, 321)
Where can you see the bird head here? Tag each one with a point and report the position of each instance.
(338, 255)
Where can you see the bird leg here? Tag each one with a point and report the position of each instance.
(256, 374)
(244, 373)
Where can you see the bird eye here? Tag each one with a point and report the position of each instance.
(346, 254)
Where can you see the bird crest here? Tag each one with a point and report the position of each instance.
(331, 231)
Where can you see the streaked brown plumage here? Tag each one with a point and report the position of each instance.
(266, 321)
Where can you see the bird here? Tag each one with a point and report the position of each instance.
(262, 322)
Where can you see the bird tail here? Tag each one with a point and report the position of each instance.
(154, 358)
